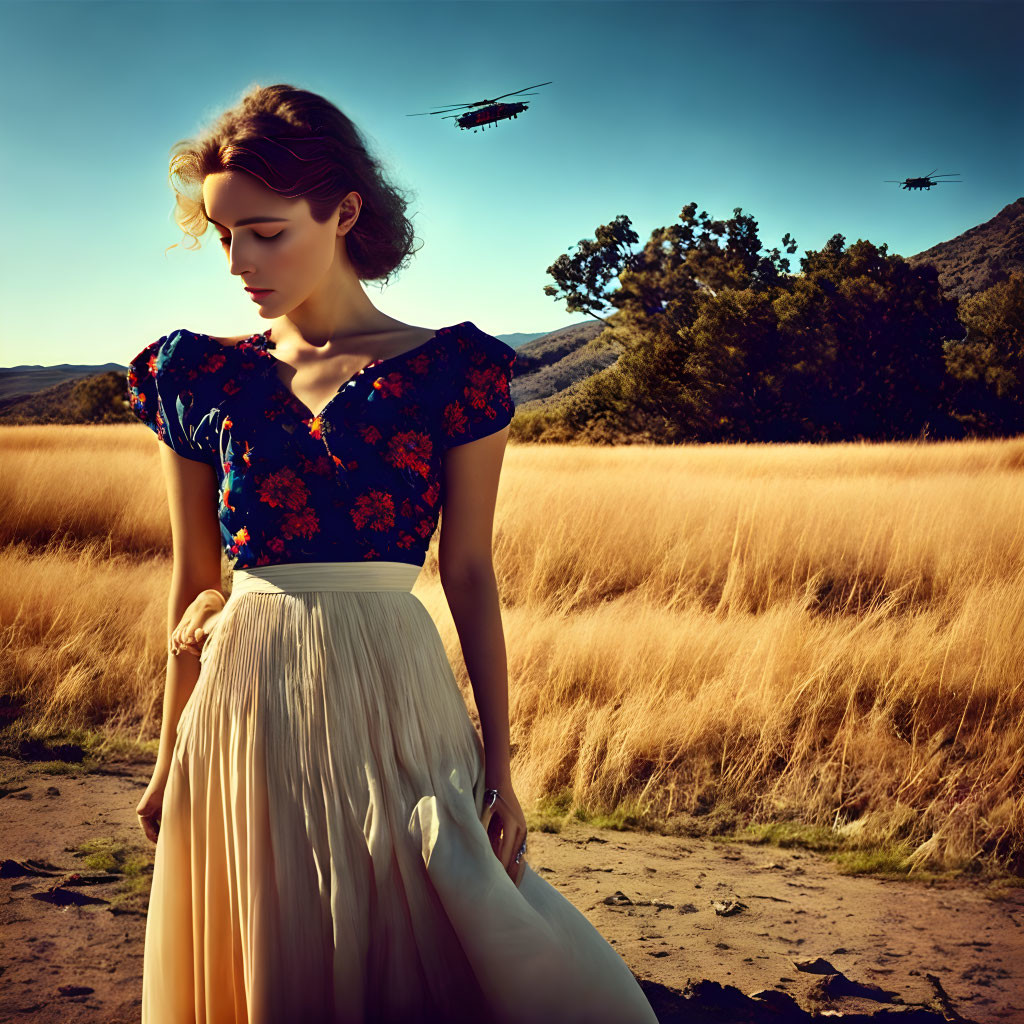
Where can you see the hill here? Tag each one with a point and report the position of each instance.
(550, 364)
(981, 256)
(53, 394)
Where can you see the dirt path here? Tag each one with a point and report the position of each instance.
(76, 955)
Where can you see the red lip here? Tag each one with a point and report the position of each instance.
(248, 289)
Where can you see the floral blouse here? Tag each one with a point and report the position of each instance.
(361, 479)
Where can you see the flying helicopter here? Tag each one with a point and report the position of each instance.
(491, 110)
(926, 181)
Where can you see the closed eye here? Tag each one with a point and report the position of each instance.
(265, 238)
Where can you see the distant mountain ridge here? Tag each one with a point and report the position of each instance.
(27, 389)
(27, 378)
(551, 363)
(980, 256)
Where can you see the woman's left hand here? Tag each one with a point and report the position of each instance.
(195, 624)
(506, 829)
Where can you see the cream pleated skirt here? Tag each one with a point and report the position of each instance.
(320, 855)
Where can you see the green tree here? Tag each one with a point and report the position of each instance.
(867, 333)
(677, 262)
(722, 343)
(987, 363)
(654, 391)
(101, 398)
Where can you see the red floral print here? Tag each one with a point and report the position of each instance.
(299, 524)
(284, 488)
(369, 433)
(374, 510)
(360, 480)
(410, 449)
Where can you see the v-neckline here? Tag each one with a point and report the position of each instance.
(262, 342)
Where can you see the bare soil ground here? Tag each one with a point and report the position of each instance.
(714, 931)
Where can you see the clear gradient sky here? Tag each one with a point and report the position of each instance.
(795, 112)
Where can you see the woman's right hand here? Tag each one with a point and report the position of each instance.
(191, 632)
(150, 807)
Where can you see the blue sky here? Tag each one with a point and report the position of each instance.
(795, 112)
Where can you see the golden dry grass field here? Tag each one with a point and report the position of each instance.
(817, 644)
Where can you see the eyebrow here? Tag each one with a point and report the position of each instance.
(247, 220)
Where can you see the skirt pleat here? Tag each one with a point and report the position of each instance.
(320, 855)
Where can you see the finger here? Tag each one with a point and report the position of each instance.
(494, 830)
(515, 865)
(507, 848)
(183, 640)
(511, 842)
(495, 834)
(520, 853)
(519, 874)
(184, 631)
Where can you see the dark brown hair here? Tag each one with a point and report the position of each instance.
(298, 144)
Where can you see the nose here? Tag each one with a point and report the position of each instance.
(238, 259)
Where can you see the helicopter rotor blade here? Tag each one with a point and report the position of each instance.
(524, 88)
(458, 106)
(443, 110)
(478, 103)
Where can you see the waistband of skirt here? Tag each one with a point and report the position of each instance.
(298, 577)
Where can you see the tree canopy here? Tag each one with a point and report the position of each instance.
(722, 342)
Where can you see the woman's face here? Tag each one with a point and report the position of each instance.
(274, 243)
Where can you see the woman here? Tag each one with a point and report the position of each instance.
(336, 842)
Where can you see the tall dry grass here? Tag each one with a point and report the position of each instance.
(831, 636)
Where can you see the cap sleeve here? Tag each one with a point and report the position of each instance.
(160, 390)
(481, 400)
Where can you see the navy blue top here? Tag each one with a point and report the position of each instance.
(360, 480)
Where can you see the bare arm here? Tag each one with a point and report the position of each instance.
(195, 532)
(471, 474)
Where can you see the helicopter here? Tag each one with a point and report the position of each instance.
(492, 111)
(926, 181)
